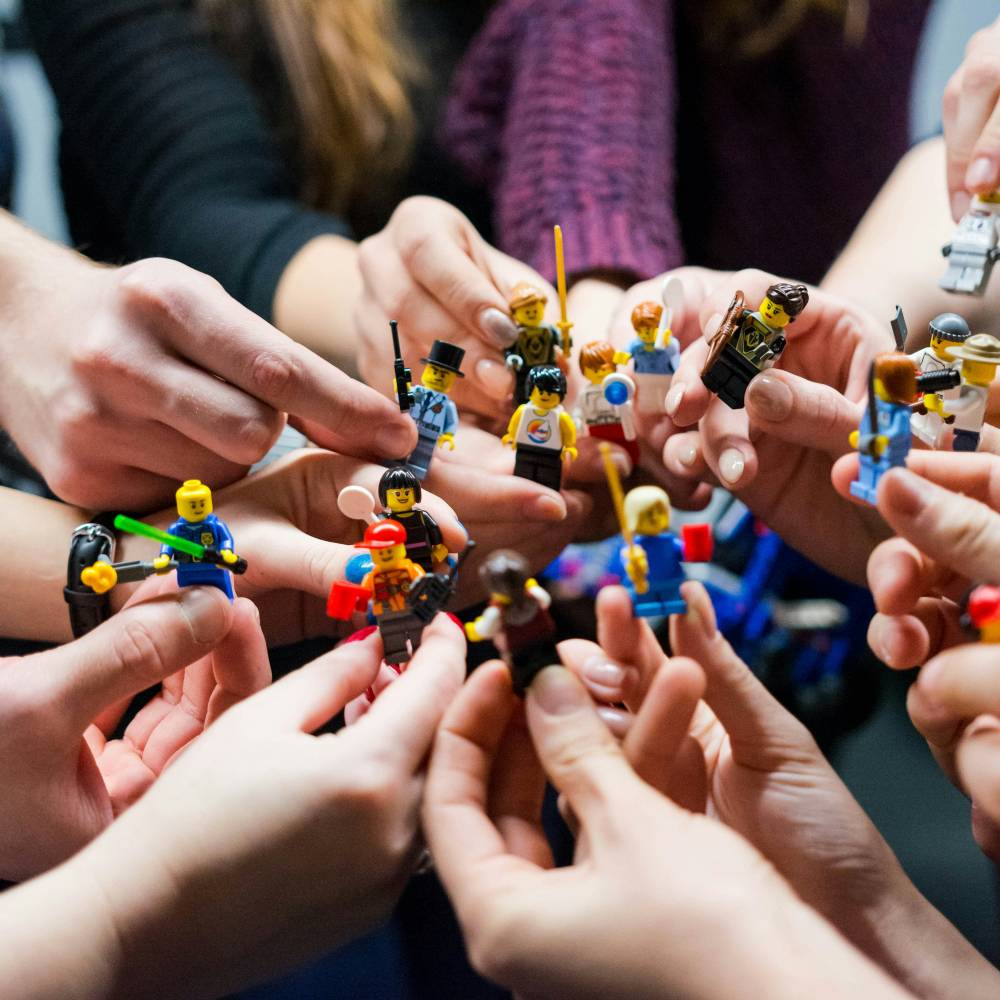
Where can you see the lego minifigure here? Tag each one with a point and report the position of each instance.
(198, 545)
(973, 249)
(537, 342)
(946, 330)
(981, 612)
(399, 491)
(604, 406)
(980, 356)
(653, 367)
(434, 413)
(517, 617)
(883, 439)
(385, 591)
(541, 431)
(747, 342)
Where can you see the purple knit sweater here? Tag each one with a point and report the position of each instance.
(609, 117)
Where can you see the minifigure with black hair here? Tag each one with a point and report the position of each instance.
(750, 341)
(399, 491)
(541, 432)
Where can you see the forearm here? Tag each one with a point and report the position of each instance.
(894, 256)
(34, 566)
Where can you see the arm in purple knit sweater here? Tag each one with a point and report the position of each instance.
(565, 108)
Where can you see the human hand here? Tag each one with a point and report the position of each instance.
(64, 779)
(798, 420)
(430, 270)
(631, 916)
(287, 523)
(126, 381)
(283, 843)
(970, 117)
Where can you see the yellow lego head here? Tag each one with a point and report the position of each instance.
(773, 314)
(991, 197)
(527, 304)
(647, 510)
(391, 557)
(438, 379)
(597, 360)
(546, 386)
(646, 318)
(782, 303)
(400, 500)
(980, 356)
(194, 500)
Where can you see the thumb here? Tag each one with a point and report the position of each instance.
(801, 412)
(578, 752)
(135, 649)
(949, 528)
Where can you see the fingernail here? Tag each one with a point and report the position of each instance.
(687, 454)
(770, 397)
(203, 612)
(960, 202)
(674, 399)
(695, 617)
(494, 377)
(908, 492)
(599, 671)
(982, 173)
(557, 693)
(617, 720)
(731, 465)
(498, 326)
(546, 508)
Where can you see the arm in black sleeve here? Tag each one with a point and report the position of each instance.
(171, 141)
(433, 531)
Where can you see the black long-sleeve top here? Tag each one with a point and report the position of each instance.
(165, 150)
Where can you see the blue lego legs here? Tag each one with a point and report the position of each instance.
(663, 598)
(419, 461)
(205, 575)
(869, 473)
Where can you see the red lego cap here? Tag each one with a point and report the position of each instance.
(383, 535)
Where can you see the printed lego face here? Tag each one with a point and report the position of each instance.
(543, 400)
(530, 314)
(438, 379)
(773, 314)
(978, 372)
(647, 334)
(397, 500)
(654, 519)
(940, 344)
(195, 506)
(388, 558)
(595, 375)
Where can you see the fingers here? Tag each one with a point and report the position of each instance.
(951, 529)
(222, 337)
(904, 641)
(135, 649)
(400, 726)
(899, 574)
(580, 756)
(756, 723)
(725, 437)
(798, 411)
(309, 697)
(977, 761)
(964, 680)
(240, 662)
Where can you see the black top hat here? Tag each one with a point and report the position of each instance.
(447, 356)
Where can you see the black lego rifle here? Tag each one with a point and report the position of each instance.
(428, 595)
(403, 374)
(869, 446)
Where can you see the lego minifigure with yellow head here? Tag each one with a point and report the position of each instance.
(604, 406)
(973, 250)
(541, 431)
(947, 330)
(538, 343)
(655, 354)
(980, 356)
(399, 491)
(434, 413)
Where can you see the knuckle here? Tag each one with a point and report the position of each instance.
(271, 374)
(78, 417)
(138, 652)
(413, 247)
(400, 303)
(980, 73)
(28, 707)
(371, 794)
(165, 287)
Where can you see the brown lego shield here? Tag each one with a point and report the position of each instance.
(729, 325)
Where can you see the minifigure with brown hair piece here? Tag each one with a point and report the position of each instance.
(653, 365)
(604, 406)
(517, 617)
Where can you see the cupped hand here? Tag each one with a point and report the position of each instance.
(64, 779)
(648, 903)
(970, 116)
(432, 272)
(284, 843)
(776, 454)
(123, 382)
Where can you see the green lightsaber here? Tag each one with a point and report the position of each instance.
(133, 527)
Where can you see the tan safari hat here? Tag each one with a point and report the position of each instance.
(980, 347)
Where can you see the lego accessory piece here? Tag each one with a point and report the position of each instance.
(446, 356)
(357, 504)
(564, 324)
(402, 376)
(981, 612)
(973, 249)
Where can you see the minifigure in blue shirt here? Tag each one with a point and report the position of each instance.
(653, 559)
(892, 388)
(434, 413)
(652, 366)
(198, 524)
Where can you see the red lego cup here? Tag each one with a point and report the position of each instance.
(698, 542)
(345, 598)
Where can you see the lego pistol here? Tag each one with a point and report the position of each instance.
(402, 373)
(428, 595)
(193, 549)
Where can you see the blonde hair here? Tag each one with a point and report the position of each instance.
(744, 25)
(347, 71)
(641, 499)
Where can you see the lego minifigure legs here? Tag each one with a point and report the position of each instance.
(540, 465)
(401, 632)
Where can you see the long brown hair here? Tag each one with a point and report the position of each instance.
(756, 27)
(347, 68)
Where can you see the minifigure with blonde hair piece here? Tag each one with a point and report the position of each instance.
(537, 342)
